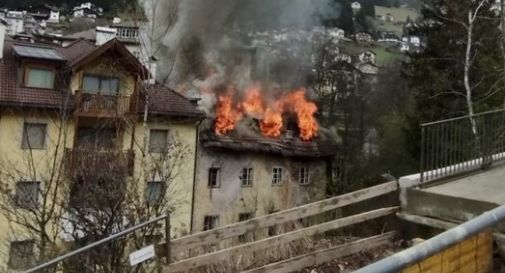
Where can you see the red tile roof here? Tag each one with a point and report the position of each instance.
(163, 101)
(167, 102)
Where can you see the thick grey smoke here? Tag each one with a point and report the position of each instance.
(200, 36)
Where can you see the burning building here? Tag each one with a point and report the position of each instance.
(259, 152)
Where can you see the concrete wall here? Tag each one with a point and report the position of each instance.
(230, 198)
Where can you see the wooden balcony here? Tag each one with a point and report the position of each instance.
(95, 162)
(103, 105)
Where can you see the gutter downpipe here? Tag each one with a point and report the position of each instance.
(399, 261)
(197, 143)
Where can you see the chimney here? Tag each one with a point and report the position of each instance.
(104, 34)
(3, 26)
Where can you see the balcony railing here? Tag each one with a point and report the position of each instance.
(454, 146)
(97, 104)
(91, 162)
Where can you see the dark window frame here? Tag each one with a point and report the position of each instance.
(21, 199)
(304, 176)
(214, 177)
(26, 74)
(210, 222)
(248, 180)
(25, 261)
(158, 150)
(100, 79)
(277, 176)
(25, 141)
(161, 194)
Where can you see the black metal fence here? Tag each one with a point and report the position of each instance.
(458, 145)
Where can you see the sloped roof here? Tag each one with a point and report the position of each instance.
(322, 146)
(167, 102)
(163, 101)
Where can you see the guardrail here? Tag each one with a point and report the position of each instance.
(458, 145)
(109, 239)
(478, 228)
(188, 243)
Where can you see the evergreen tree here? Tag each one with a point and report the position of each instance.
(365, 15)
(345, 20)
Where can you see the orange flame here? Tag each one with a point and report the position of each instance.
(305, 111)
(271, 124)
(254, 105)
(227, 115)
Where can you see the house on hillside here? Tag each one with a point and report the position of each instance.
(244, 175)
(364, 37)
(396, 15)
(367, 56)
(44, 12)
(356, 7)
(87, 10)
(15, 22)
(81, 107)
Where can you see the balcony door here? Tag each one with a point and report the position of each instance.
(98, 139)
(92, 84)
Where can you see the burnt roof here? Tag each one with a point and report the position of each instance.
(322, 146)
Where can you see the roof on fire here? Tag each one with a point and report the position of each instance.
(322, 146)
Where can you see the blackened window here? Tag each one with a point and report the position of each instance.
(244, 217)
(210, 222)
(214, 177)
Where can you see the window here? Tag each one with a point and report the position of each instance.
(27, 193)
(155, 192)
(104, 85)
(276, 176)
(34, 136)
(246, 177)
(39, 77)
(304, 176)
(244, 217)
(273, 230)
(158, 141)
(210, 222)
(21, 255)
(214, 177)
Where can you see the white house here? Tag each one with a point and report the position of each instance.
(336, 33)
(356, 6)
(367, 57)
(3, 28)
(54, 16)
(87, 10)
(15, 22)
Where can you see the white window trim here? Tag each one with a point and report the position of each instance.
(301, 179)
(281, 182)
(250, 177)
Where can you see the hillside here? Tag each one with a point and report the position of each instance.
(107, 5)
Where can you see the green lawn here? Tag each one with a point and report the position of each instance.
(384, 56)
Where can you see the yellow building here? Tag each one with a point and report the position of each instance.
(83, 136)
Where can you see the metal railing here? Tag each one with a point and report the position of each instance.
(115, 236)
(403, 259)
(458, 145)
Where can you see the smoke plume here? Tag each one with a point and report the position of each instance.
(208, 35)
